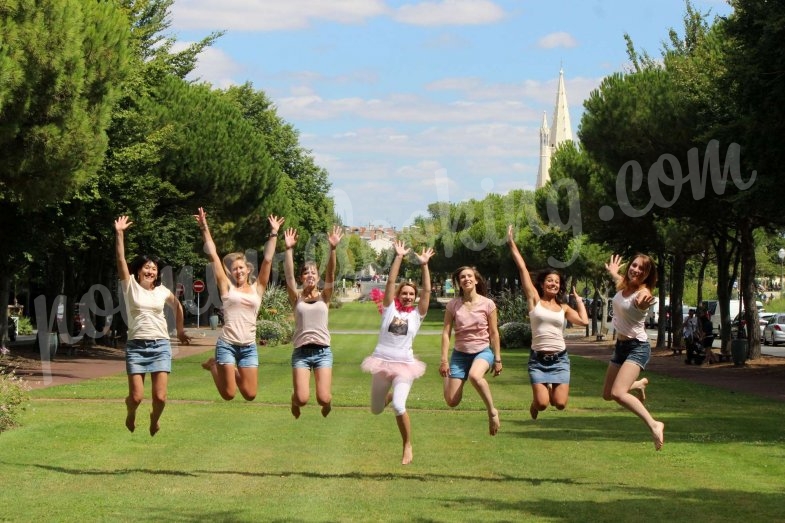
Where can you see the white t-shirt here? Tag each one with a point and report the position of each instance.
(145, 309)
(397, 333)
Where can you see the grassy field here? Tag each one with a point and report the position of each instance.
(73, 460)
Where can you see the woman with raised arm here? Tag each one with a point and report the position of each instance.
(392, 363)
(148, 349)
(311, 337)
(236, 361)
(549, 364)
(632, 351)
(477, 349)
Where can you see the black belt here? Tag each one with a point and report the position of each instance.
(548, 356)
(312, 346)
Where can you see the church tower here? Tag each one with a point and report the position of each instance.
(560, 131)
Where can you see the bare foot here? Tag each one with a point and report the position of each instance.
(326, 409)
(493, 422)
(154, 426)
(533, 411)
(130, 417)
(408, 455)
(642, 388)
(658, 434)
(295, 410)
(207, 365)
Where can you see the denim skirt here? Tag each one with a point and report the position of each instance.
(143, 356)
(549, 368)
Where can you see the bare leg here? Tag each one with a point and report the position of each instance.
(559, 395)
(160, 381)
(324, 384)
(134, 398)
(404, 426)
(453, 391)
(640, 386)
(380, 393)
(540, 399)
(621, 380)
(301, 379)
(480, 384)
(248, 382)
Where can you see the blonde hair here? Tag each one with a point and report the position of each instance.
(232, 257)
(406, 284)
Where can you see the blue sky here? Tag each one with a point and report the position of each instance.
(406, 103)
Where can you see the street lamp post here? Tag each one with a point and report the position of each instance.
(781, 254)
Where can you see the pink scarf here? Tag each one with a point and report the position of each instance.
(400, 308)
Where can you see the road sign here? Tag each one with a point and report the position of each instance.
(198, 286)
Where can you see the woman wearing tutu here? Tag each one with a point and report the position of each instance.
(148, 349)
(392, 363)
(632, 351)
(236, 361)
(549, 364)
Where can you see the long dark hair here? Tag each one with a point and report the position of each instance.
(481, 286)
(540, 282)
(142, 260)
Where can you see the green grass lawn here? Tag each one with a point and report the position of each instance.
(73, 460)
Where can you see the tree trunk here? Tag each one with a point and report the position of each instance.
(749, 288)
(5, 289)
(677, 292)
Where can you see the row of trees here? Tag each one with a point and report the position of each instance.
(97, 120)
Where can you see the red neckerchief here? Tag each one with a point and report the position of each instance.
(400, 308)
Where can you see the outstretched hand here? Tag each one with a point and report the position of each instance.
(425, 255)
(121, 223)
(275, 223)
(201, 218)
(290, 237)
(614, 265)
(400, 248)
(335, 236)
(510, 234)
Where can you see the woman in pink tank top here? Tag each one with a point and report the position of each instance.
(632, 350)
(549, 364)
(236, 361)
(312, 352)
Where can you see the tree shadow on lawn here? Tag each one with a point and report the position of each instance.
(637, 503)
(710, 427)
(363, 476)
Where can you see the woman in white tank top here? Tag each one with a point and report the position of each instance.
(632, 350)
(549, 365)
(236, 361)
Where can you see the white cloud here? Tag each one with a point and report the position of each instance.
(450, 12)
(213, 66)
(271, 15)
(560, 39)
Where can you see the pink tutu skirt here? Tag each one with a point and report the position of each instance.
(410, 370)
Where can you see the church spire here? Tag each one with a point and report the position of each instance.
(560, 131)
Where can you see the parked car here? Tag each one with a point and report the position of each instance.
(653, 316)
(763, 319)
(774, 332)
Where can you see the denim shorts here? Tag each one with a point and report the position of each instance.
(549, 368)
(312, 357)
(240, 355)
(143, 356)
(634, 351)
(461, 362)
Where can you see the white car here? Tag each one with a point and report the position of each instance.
(774, 332)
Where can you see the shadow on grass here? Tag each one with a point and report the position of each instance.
(497, 478)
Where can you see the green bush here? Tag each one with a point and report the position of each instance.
(275, 304)
(270, 332)
(515, 334)
(13, 399)
(512, 307)
(24, 326)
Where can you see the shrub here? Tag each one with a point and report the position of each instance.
(13, 399)
(275, 304)
(512, 307)
(515, 334)
(269, 332)
(24, 326)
